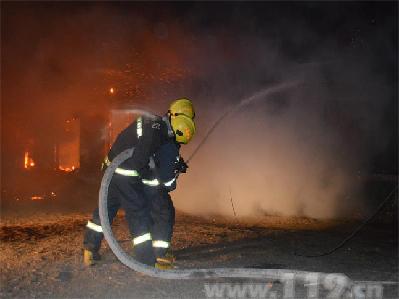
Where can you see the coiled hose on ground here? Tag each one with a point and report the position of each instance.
(129, 261)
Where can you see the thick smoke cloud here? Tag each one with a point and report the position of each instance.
(298, 152)
(294, 152)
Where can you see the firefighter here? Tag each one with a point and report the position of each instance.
(168, 165)
(130, 185)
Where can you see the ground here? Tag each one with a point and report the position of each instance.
(41, 255)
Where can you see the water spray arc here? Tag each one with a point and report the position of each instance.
(272, 274)
(254, 98)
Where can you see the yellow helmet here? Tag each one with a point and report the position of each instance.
(182, 106)
(183, 127)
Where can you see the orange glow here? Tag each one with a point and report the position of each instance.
(67, 169)
(111, 90)
(36, 197)
(68, 147)
(28, 161)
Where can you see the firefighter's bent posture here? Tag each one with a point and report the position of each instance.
(140, 185)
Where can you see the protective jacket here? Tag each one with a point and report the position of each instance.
(145, 135)
(166, 160)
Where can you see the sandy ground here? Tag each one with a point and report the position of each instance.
(41, 255)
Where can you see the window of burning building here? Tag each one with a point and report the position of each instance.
(67, 149)
(30, 154)
(28, 160)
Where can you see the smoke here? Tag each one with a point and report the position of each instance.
(296, 151)
(284, 163)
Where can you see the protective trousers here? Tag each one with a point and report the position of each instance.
(126, 192)
(163, 219)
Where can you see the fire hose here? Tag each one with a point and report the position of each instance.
(255, 97)
(129, 261)
(355, 231)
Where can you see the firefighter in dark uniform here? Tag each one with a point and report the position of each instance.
(139, 184)
(169, 165)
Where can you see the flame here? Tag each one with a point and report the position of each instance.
(36, 197)
(111, 90)
(68, 147)
(67, 169)
(28, 161)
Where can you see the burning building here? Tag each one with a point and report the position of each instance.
(66, 149)
(80, 143)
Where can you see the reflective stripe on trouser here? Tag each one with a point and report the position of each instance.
(141, 239)
(163, 218)
(160, 244)
(143, 249)
(124, 192)
(93, 234)
(93, 226)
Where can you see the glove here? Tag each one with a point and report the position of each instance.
(181, 166)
